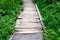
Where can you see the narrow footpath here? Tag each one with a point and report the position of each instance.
(28, 25)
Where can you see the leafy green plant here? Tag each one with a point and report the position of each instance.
(9, 11)
(50, 11)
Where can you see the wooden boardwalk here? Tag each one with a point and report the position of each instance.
(28, 25)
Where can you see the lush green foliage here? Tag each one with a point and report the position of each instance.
(50, 12)
(43, 3)
(8, 14)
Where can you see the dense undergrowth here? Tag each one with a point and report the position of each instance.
(50, 11)
(9, 10)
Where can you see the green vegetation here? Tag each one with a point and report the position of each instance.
(50, 11)
(9, 10)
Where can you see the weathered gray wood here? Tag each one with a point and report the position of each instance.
(39, 14)
(28, 27)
